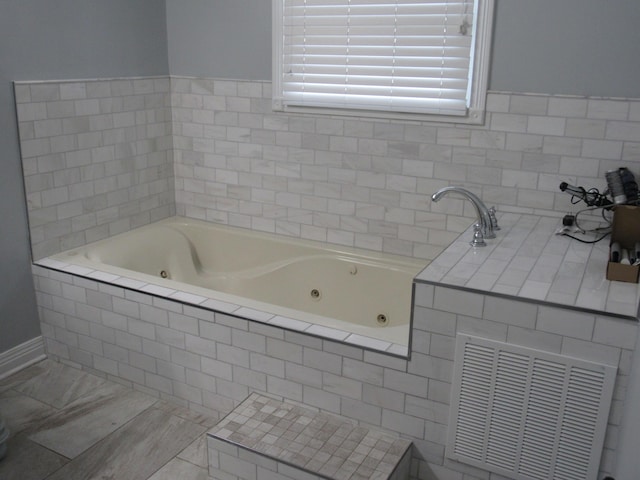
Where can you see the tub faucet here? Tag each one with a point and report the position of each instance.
(486, 219)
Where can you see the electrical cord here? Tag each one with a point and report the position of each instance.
(602, 209)
(595, 200)
(587, 241)
(593, 230)
(591, 197)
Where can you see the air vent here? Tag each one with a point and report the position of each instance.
(527, 414)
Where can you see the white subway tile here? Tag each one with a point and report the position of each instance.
(142, 362)
(607, 109)
(183, 323)
(534, 339)
(590, 351)
(457, 301)
(284, 388)
(270, 366)
(625, 131)
(564, 322)
(105, 365)
(319, 398)
(603, 149)
(364, 412)
(141, 329)
(427, 409)
(212, 367)
(186, 359)
(345, 387)
(158, 383)
(367, 373)
(303, 375)
(506, 122)
(615, 332)
(400, 422)
(405, 382)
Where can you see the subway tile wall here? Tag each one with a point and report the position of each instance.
(211, 361)
(97, 158)
(367, 183)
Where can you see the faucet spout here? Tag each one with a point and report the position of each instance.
(484, 216)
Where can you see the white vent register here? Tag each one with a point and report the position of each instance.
(527, 414)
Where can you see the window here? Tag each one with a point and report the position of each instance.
(384, 58)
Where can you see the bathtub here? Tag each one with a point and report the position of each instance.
(345, 294)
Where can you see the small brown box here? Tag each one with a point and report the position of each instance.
(625, 231)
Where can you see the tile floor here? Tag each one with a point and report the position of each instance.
(68, 424)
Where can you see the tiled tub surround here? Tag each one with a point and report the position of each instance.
(529, 261)
(367, 183)
(97, 158)
(357, 182)
(260, 277)
(210, 361)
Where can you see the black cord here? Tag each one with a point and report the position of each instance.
(602, 210)
(593, 230)
(587, 241)
(592, 197)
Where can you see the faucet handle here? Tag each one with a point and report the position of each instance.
(492, 217)
(478, 237)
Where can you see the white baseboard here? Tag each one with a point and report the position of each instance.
(21, 356)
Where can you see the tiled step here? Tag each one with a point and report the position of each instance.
(264, 439)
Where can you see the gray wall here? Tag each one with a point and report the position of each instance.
(575, 47)
(39, 40)
(220, 38)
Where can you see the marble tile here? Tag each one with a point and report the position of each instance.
(24, 375)
(89, 419)
(181, 469)
(303, 438)
(196, 453)
(21, 412)
(154, 436)
(536, 264)
(58, 385)
(186, 414)
(26, 460)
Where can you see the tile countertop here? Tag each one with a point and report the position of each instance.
(529, 261)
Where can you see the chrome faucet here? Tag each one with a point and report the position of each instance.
(486, 225)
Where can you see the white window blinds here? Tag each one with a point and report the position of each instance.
(393, 56)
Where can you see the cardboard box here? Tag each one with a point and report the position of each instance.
(625, 231)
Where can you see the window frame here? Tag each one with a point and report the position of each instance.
(480, 59)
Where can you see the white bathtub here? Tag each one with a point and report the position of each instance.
(332, 289)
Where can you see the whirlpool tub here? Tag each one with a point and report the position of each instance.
(345, 294)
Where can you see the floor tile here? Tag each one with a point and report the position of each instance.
(58, 385)
(136, 451)
(23, 375)
(179, 469)
(21, 412)
(196, 453)
(89, 419)
(186, 414)
(26, 460)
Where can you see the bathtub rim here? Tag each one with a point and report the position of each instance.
(237, 311)
(242, 307)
